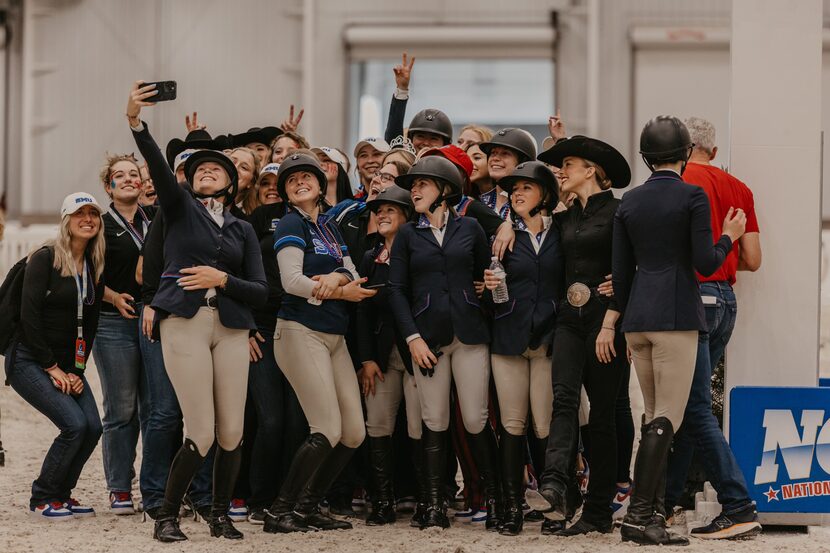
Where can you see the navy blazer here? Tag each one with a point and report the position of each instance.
(535, 282)
(193, 238)
(431, 286)
(377, 332)
(662, 234)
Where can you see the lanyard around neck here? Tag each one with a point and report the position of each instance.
(81, 284)
(124, 224)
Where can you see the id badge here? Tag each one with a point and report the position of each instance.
(80, 353)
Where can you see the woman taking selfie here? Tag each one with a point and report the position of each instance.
(59, 307)
(213, 273)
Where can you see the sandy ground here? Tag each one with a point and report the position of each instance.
(26, 435)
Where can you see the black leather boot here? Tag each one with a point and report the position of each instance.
(435, 465)
(642, 524)
(512, 470)
(381, 465)
(486, 454)
(658, 520)
(420, 476)
(308, 504)
(281, 518)
(225, 469)
(185, 464)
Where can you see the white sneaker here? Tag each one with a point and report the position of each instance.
(78, 510)
(55, 511)
(121, 503)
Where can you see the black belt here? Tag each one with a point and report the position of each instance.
(211, 302)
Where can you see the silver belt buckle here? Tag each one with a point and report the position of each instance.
(578, 294)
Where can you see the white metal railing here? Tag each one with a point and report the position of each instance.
(19, 241)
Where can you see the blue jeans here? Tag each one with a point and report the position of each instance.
(163, 433)
(75, 416)
(700, 428)
(118, 359)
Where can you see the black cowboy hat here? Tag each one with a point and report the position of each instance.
(606, 156)
(262, 135)
(198, 139)
(392, 195)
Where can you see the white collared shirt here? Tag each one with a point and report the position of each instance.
(537, 240)
(438, 233)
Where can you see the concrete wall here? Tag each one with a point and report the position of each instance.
(241, 63)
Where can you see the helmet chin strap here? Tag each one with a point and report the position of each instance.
(225, 192)
(436, 204)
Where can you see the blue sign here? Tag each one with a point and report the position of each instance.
(781, 440)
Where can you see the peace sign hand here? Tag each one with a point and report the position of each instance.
(291, 124)
(193, 124)
(403, 72)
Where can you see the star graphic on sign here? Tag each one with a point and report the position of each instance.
(772, 495)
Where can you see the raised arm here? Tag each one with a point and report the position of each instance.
(170, 194)
(397, 110)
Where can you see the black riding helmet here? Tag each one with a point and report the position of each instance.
(665, 139)
(518, 140)
(392, 195)
(441, 170)
(300, 162)
(433, 121)
(203, 156)
(538, 172)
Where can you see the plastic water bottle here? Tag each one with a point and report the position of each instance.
(500, 294)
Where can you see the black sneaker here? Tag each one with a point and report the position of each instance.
(737, 526)
(256, 516)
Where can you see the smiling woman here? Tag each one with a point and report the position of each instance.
(117, 353)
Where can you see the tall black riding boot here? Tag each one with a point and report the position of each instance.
(659, 518)
(185, 464)
(225, 470)
(512, 449)
(435, 465)
(486, 453)
(308, 504)
(537, 448)
(381, 465)
(638, 525)
(420, 477)
(281, 518)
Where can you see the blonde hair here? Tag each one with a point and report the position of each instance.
(398, 155)
(599, 174)
(111, 160)
(298, 139)
(62, 244)
(486, 133)
(249, 198)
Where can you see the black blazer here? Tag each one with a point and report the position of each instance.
(662, 234)
(193, 238)
(431, 287)
(377, 332)
(535, 282)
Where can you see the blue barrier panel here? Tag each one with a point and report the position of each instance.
(781, 439)
(824, 382)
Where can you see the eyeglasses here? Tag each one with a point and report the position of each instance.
(385, 178)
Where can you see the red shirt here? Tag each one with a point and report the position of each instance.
(724, 191)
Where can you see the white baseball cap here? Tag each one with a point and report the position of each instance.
(375, 142)
(270, 169)
(182, 157)
(76, 201)
(333, 154)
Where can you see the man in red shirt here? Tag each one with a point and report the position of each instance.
(700, 427)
